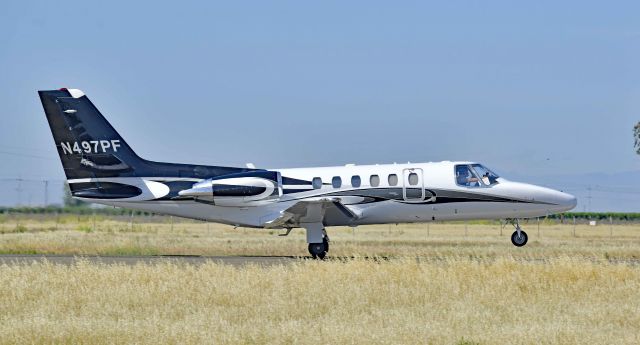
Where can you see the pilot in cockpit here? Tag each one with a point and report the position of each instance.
(465, 177)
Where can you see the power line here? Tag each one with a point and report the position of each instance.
(27, 155)
(20, 187)
(30, 180)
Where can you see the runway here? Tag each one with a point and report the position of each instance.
(24, 259)
(133, 260)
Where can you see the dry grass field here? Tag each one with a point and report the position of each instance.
(405, 284)
(166, 236)
(401, 301)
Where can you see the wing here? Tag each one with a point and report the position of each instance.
(308, 211)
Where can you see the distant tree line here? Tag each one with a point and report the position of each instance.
(117, 211)
(636, 137)
(626, 216)
(74, 210)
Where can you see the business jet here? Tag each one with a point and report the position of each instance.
(100, 167)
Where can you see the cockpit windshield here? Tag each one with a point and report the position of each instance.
(475, 175)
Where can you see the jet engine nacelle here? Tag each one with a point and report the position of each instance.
(252, 188)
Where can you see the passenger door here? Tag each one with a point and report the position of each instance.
(412, 184)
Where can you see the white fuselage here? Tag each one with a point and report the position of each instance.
(420, 192)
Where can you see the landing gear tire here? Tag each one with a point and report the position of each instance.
(318, 250)
(519, 240)
(325, 241)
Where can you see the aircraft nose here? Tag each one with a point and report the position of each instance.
(563, 201)
(569, 201)
(547, 199)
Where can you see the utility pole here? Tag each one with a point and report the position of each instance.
(46, 193)
(19, 190)
(610, 226)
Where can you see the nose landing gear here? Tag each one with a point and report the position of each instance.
(519, 238)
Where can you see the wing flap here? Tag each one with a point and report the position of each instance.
(307, 211)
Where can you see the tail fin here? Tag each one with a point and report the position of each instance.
(89, 147)
(87, 144)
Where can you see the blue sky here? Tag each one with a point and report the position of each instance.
(534, 90)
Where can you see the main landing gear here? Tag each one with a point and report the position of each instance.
(318, 240)
(319, 250)
(519, 238)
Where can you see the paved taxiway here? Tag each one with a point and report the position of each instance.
(21, 259)
(132, 260)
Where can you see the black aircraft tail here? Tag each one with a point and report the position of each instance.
(89, 147)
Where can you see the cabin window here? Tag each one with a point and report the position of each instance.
(413, 179)
(336, 182)
(393, 180)
(355, 181)
(317, 183)
(374, 180)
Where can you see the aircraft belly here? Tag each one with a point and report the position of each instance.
(386, 212)
(396, 212)
(488, 210)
